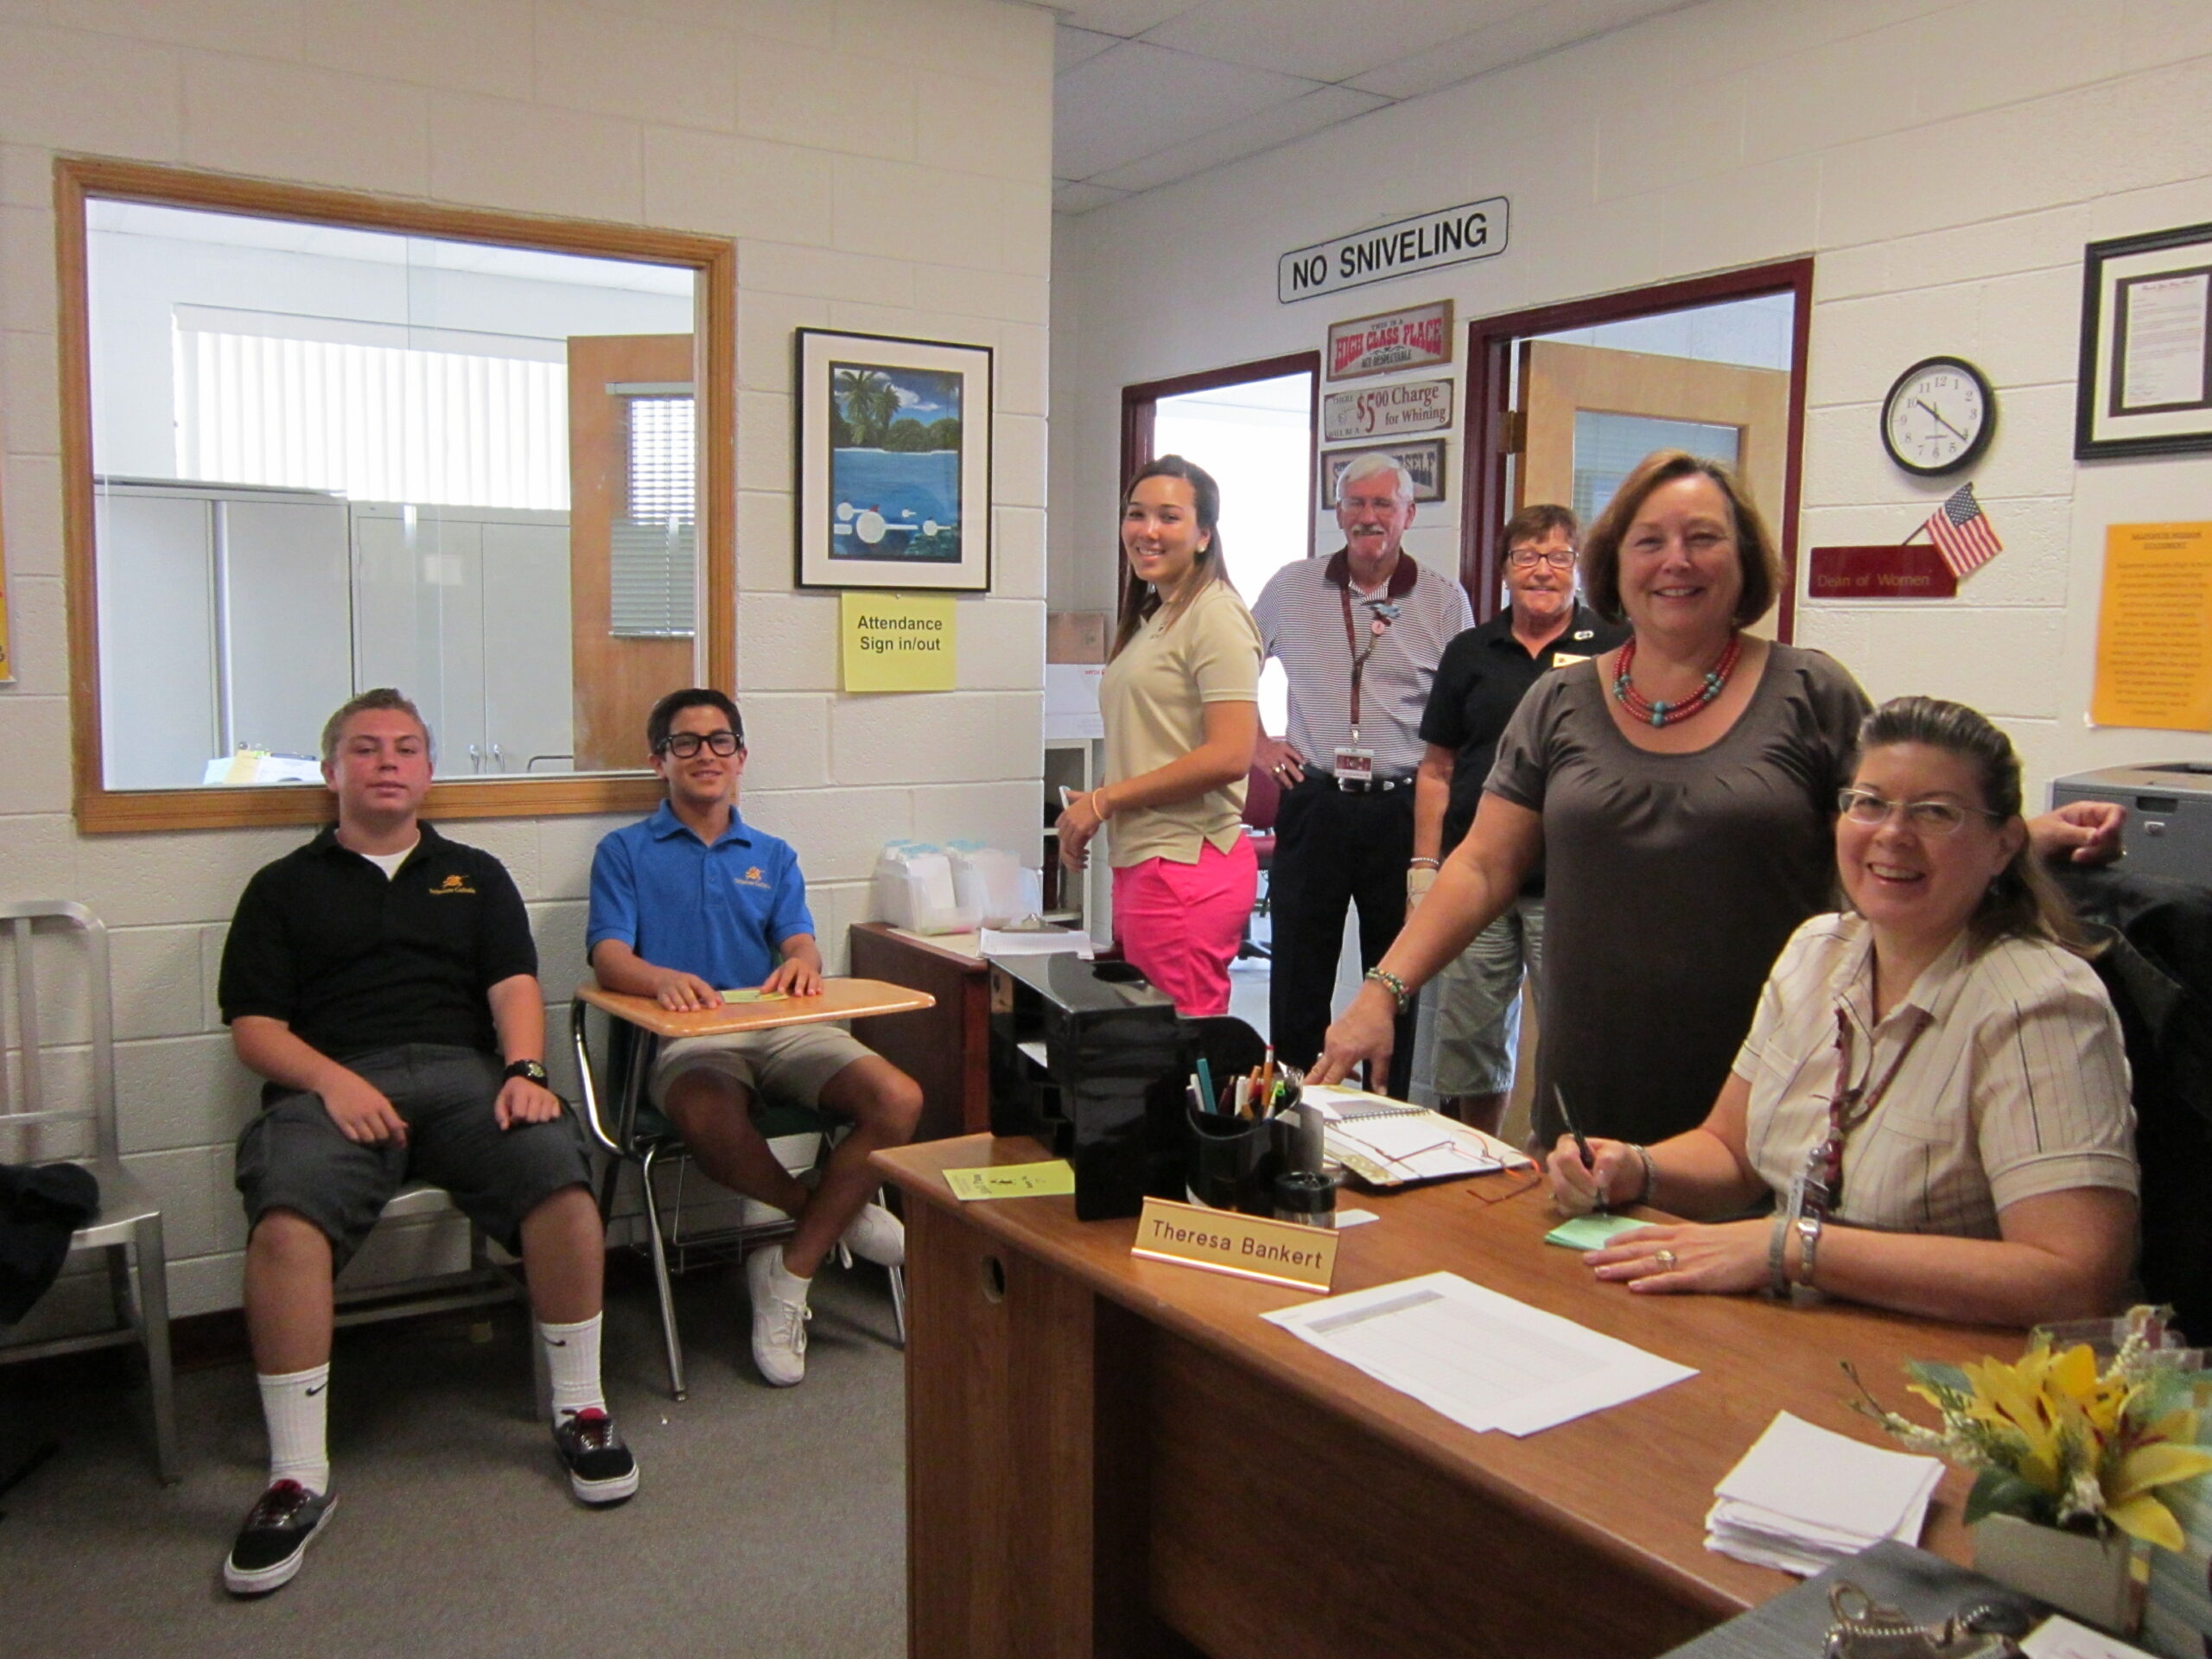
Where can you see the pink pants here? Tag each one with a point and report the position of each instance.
(1180, 924)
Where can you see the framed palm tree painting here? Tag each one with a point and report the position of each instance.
(894, 462)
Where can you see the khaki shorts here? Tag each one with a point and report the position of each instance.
(784, 1066)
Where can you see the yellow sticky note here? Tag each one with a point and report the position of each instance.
(754, 994)
(898, 642)
(1011, 1180)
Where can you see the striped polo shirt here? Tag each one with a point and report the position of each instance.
(1301, 617)
(2018, 1085)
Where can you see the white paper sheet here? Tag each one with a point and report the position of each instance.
(1484, 1360)
(1803, 1498)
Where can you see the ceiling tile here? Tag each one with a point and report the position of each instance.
(1074, 46)
(1326, 40)
(1529, 33)
(1134, 100)
(1278, 124)
(1082, 198)
(1123, 17)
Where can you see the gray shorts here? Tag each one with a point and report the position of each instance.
(1477, 1003)
(783, 1065)
(293, 1157)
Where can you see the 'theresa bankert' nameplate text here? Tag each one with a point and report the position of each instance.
(1222, 1240)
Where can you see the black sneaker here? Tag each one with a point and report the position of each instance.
(600, 1468)
(275, 1537)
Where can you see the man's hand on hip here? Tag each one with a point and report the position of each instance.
(362, 1113)
(1277, 755)
(522, 1100)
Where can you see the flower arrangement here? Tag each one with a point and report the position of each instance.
(2058, 1443)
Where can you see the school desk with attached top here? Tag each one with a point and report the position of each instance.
(1111, 1455)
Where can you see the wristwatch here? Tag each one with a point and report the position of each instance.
(532, 1069)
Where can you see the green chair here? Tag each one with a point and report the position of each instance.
(633, 1131)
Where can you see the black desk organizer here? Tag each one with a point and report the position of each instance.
(1110, 1098)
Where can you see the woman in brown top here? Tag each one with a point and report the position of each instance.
(1680, 791)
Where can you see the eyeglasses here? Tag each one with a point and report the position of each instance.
(1527, 558)
(1864, 806)
(685, 745)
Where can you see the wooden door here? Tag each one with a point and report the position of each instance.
(617, 679)
(1558, 381)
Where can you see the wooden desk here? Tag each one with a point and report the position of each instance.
(949, 1053)
(841, 999)
(1112, 1455)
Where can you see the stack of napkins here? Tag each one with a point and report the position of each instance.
(1803, 1498)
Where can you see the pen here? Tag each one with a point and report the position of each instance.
(1205, 1083)
(1581, 1145)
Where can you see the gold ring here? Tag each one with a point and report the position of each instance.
(1666, 1259)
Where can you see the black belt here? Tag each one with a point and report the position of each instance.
(1362, 785)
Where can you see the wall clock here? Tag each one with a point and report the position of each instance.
(1938, 416)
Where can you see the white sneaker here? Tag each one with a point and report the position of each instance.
(779, 1326)
(876, 1234)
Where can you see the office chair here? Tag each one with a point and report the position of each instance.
(1263, 800)
(127, 1230)
(626, 1125)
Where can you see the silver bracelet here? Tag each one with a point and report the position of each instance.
(1778, 1276)
(1650, 1173)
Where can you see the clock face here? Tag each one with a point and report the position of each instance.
(1938, 416)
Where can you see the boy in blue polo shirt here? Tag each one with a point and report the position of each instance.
(693, 900)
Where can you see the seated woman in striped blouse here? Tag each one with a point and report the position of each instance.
(1933, 1088)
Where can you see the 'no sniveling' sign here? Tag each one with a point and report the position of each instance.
(1449, 236)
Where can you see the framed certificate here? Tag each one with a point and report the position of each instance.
(2145, 385)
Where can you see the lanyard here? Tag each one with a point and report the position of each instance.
(1385, 615)
(1850, 1106)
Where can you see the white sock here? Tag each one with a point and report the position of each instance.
(295, 1406)
(787, 1284)
(572, 1366)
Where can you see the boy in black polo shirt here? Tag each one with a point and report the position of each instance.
(381, 977)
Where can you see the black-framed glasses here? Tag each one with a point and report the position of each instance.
(685, 745)
(1929, 817)
(1527, 558)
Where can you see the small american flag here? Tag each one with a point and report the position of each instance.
(1962, 533)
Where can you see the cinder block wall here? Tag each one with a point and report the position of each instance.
(1944, 160)
(883, 165)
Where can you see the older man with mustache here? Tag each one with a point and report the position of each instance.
(1359, 635)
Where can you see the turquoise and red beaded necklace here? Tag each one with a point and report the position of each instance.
(1645, 712)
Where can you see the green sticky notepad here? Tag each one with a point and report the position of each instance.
(1592, 1232)
(1011, 1180)
(754, 994)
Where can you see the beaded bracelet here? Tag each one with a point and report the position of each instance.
(1390, 983)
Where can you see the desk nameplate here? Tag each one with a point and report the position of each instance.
(1224, 1241)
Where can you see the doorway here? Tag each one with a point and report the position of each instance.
(1566, 399)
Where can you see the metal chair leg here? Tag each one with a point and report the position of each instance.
(899, 1301)
(660, 1275)
(154, 1328)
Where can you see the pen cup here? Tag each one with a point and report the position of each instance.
(1308, 1198)
(1232, 1162)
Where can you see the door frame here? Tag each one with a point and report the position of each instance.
(1139, 402)
(1489, 386)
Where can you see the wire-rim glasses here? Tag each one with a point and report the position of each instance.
(1930, 818)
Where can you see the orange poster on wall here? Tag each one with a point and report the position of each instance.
(2154, 629)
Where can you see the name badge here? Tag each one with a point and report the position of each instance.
(1224, 1241)
(1567, 659)
(1355, 766)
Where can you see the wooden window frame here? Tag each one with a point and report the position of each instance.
(1490, 388)
(77, 179)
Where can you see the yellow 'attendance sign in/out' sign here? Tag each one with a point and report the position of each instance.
(2154, 629)
(892, 642)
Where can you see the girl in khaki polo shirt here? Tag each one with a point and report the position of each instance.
(1180, 697)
